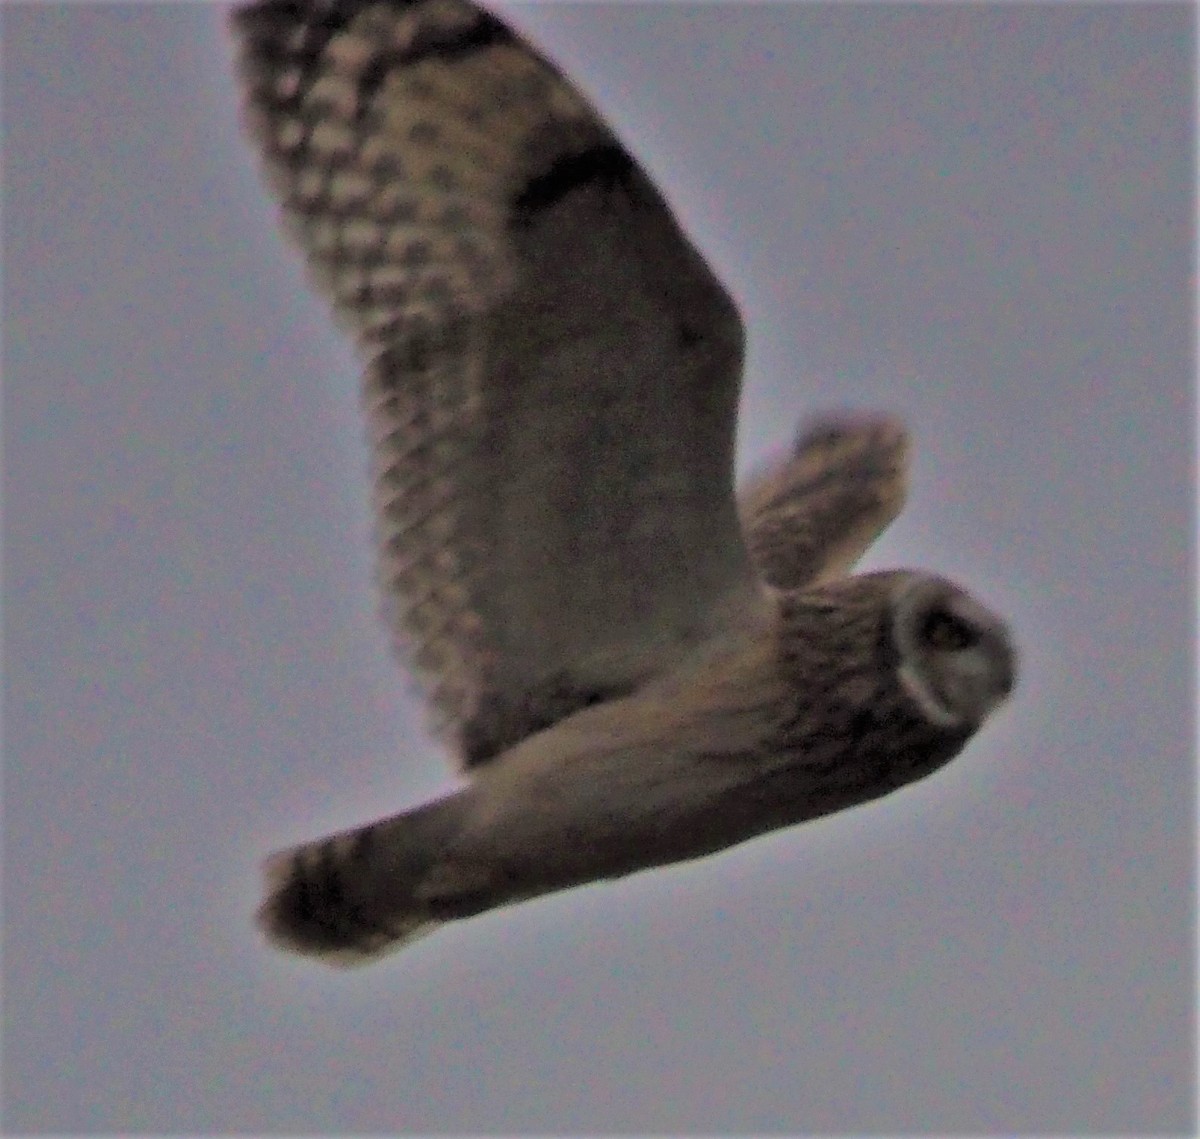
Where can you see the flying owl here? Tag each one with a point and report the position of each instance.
(632, 665)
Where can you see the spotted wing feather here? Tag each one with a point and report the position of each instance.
(552, 371)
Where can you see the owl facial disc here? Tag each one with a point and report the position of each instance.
(957, 660)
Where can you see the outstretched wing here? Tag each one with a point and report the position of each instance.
(552, 370)
(810, 518)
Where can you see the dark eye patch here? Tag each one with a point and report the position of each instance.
(945, 632)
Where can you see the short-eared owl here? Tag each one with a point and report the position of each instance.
(632, 665)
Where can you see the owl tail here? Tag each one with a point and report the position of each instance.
(351, 897)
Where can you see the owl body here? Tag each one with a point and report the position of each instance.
(633, 664)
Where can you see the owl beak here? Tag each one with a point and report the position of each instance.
(1008, 671)
(1006, 667)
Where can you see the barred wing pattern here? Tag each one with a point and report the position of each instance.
(552, 371)
(810, 517)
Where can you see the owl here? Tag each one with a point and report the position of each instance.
(632, 664)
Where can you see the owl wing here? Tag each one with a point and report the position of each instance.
(552, 370)
(810, 517)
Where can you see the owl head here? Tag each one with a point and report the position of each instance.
(891, 674)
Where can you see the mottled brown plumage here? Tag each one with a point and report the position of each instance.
(632, 666)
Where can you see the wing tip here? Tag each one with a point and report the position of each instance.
(882, 432)
(304, 912)
(872, 445)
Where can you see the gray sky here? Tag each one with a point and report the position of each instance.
(979, 217)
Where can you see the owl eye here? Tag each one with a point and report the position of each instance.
(945, 632)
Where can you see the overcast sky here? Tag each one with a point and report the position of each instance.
(979, 217)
